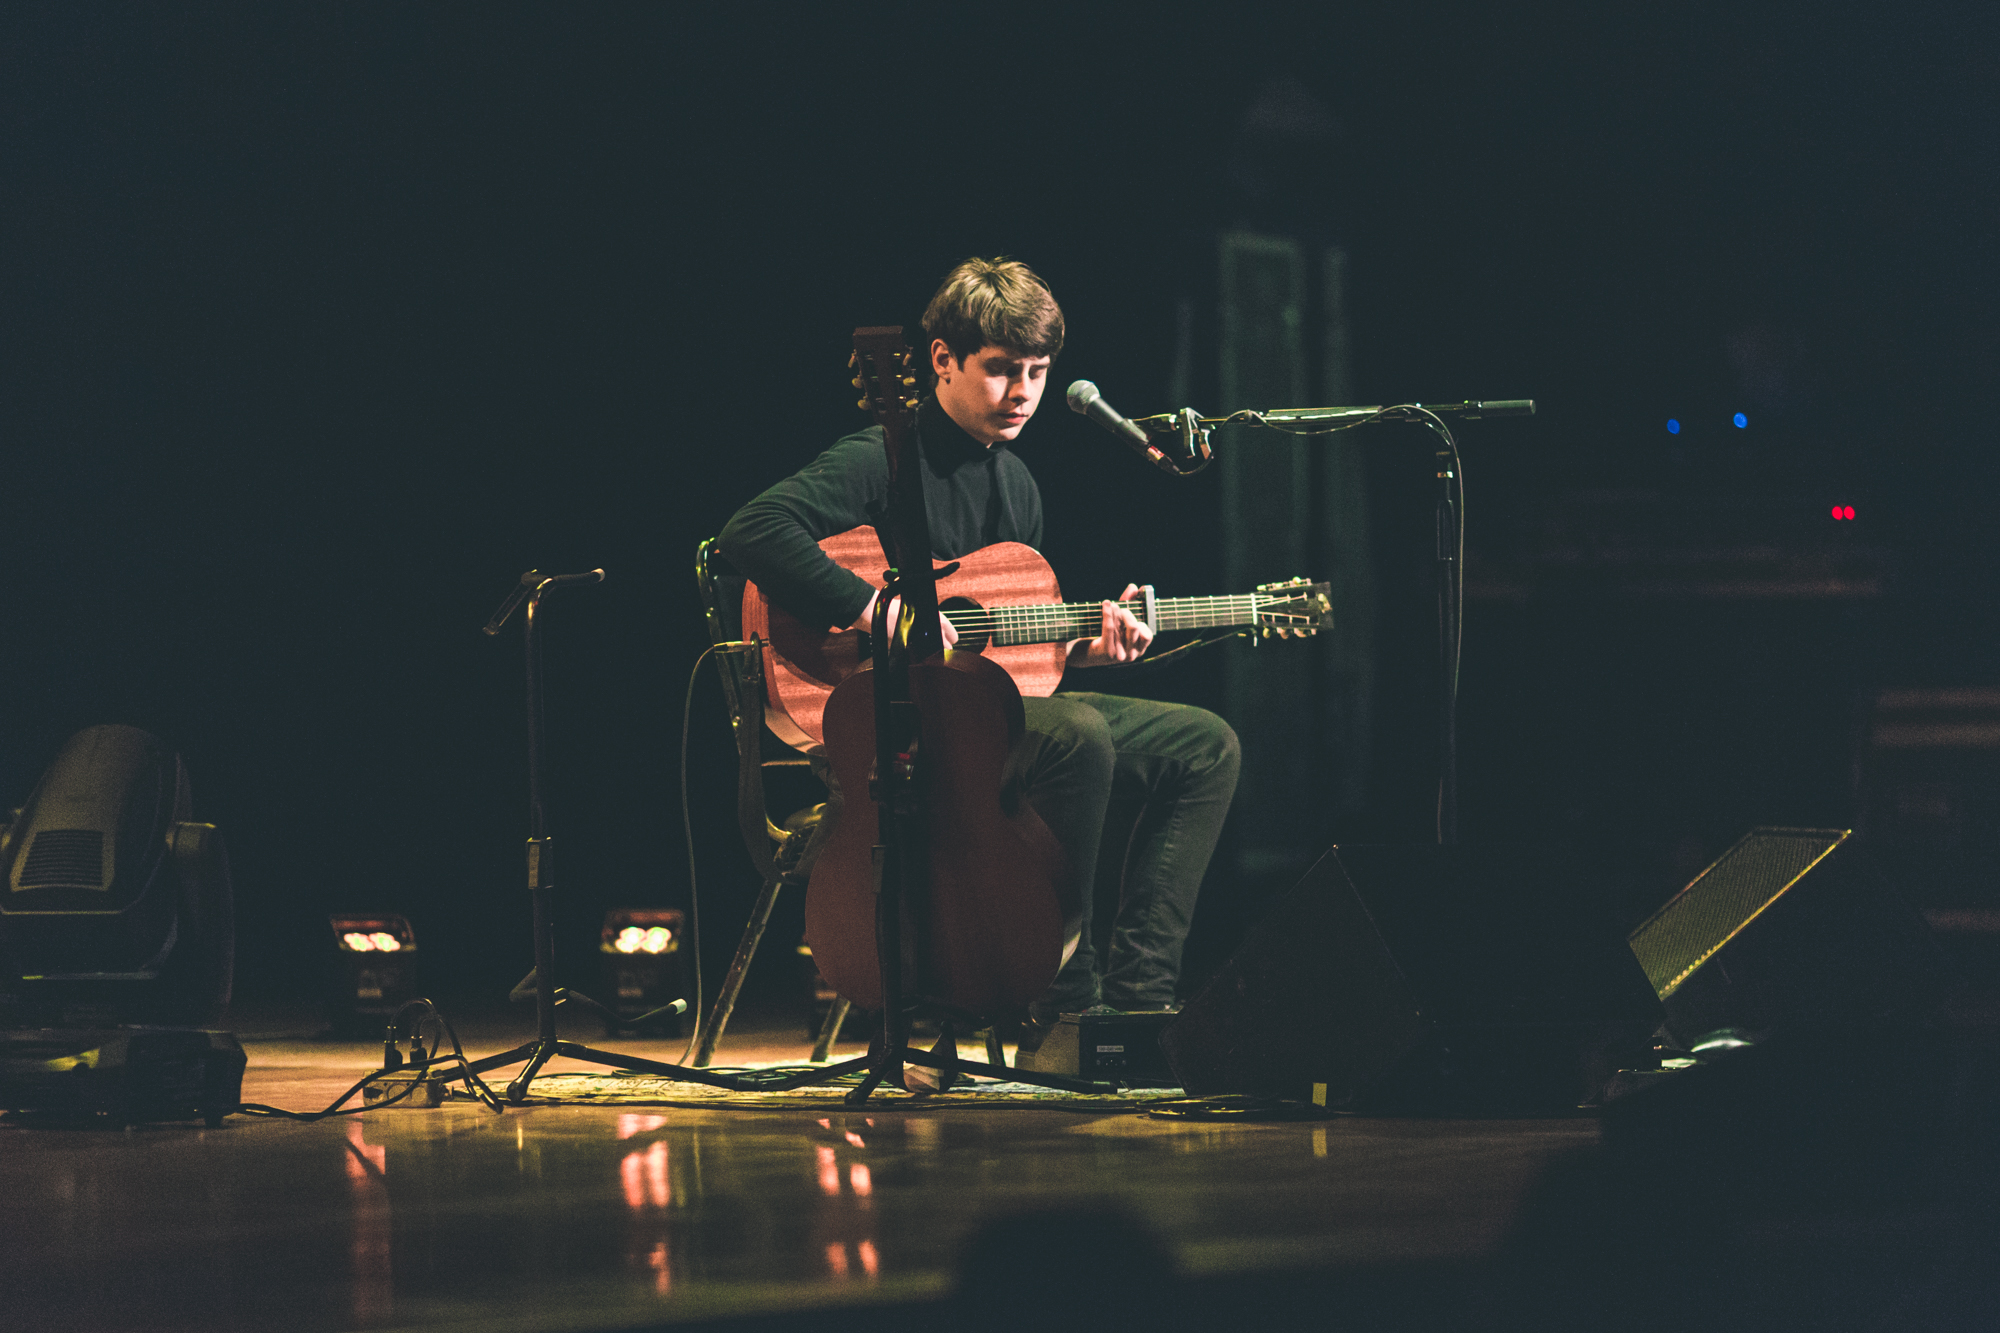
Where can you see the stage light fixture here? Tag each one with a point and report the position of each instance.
(640, 947)
(374, 971)
(118, 906)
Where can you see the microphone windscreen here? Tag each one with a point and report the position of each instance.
(1082, 393)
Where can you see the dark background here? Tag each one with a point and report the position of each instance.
(322, 323)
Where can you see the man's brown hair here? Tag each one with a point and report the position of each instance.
(995, 303)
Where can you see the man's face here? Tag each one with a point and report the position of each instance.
(992, 393)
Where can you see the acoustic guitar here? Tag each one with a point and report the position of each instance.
(1006, 606)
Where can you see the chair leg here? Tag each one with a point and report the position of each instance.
(732, 985)
(994, 1054)
(830, 1029)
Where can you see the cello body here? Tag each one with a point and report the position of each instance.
(991, 932)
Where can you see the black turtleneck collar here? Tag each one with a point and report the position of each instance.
(946, 445)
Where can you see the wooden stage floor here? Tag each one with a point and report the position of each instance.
(594, 1217)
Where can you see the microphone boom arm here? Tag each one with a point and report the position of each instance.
(1335, 418)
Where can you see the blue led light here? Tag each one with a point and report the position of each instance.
(1673, 426)
(1740, 420)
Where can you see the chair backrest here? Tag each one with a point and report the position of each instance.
(721, 591)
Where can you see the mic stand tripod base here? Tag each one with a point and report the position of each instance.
(547, 1045)
(944, 1060)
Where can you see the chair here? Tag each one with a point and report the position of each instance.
(778, 850)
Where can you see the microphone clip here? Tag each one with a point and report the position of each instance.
(1194, 451)
(1177, 442)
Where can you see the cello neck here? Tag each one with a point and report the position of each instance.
(885, 372)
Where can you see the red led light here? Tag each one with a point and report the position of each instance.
(1843, 512)
(1849, 513)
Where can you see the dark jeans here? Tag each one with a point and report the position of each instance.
(1159, 778)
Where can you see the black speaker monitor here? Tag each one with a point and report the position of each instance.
(114, 906)
(1483, 978)
(1790, 929)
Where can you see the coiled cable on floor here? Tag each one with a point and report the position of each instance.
(392, 1063)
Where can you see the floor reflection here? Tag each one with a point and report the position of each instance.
(373, 1286)
(845, 1223)
(446, 1205)
(408, 1216)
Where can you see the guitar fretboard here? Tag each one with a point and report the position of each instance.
(1056, 621)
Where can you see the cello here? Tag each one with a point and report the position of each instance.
(932, 895)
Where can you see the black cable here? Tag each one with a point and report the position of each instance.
(393, 1034)
(473, 1082)
(1235, 1106)
(259, 1109)
(1453, 601)
(1451, 608)
(687, 828)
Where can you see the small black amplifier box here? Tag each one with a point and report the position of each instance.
(125, 1075)
(1108, 1048)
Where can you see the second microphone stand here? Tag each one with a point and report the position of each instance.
(547, 1044)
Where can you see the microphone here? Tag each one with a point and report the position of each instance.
(1084, 398)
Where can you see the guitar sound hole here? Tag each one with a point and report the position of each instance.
(969, 640)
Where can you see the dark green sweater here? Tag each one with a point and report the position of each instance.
(975, 496)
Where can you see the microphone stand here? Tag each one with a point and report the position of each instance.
(1450, 530)
(535, 585)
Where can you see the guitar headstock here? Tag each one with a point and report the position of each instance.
(1295, 609)
(885, 370)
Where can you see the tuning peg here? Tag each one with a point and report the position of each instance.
(850, 359)
(909, 381)
(858, 383)
(863, 404)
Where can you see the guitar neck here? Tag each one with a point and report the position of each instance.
(1056, 622)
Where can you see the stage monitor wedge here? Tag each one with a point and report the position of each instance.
(1482, 978)
(1790, 929)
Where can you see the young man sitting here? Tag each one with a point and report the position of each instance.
(1088, 761)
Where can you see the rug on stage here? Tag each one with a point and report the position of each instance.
(618, 1089)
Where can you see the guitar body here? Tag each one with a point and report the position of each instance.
(803, 663)
(992, 932)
